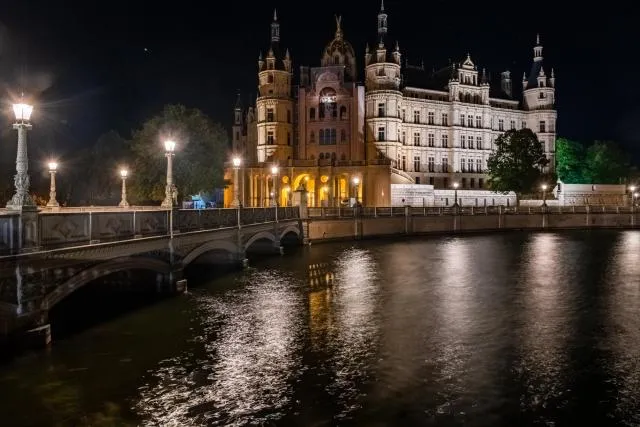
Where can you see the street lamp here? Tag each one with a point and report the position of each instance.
(356, 183)
(455, 194)
(169, 191)
(632, 189)
(274, 176)
(237, 161)
(123, 174)
(52, 203)
(544, 195)
(22, 199)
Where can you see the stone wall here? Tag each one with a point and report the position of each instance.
(591, 194)
(419, 195)
(364, 227)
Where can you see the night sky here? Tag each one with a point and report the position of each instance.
(95, 66)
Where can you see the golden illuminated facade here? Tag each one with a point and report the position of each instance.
(313, 133)
(401, 125)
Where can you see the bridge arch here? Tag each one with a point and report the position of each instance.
(214, 245)
(90, 274)
(290, 229)
(263, 235)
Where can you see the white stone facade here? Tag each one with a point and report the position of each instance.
(419, 195)
(439, 127)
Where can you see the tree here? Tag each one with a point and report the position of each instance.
(97, 181)
(516, 164)
(570, 161)
(605, 163)
(199, 159)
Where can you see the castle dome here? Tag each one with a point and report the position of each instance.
(340, 52)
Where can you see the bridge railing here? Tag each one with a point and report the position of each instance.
(65, 228)
(395, 211)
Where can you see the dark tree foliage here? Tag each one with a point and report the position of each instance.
(517, 162)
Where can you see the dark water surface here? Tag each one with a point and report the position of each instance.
(490, 330)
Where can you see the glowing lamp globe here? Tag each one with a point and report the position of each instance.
(53, 166)
(274, 170)
(124, 173)
(22, 112)
(236, 162)
(356, 180)
(455, 185)
(170, 146)
(544, 187)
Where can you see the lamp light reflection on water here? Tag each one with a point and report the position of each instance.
(250, 343)
(623, 317)
(355, 334)
(548, 304)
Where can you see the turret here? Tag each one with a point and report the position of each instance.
(538, 89)
(382, 70)
(274, 106)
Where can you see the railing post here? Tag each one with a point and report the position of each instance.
(90, 228)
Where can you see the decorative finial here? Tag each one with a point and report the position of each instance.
(397, 46)
(538, 39)
(524, 76)
(286, 54)
(366, 48)
(275, 14)
(338, 27)
(382, 6)
(553, 74)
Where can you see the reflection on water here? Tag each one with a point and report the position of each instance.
(623, 330)
(546, 299)
(494, 330)
(252, 344)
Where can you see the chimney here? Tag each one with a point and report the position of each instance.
(505, 83)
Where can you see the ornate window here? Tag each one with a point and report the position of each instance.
(328, 103)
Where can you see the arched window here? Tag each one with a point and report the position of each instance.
(467, 97)
(343, 113)
(312, 113)
(333, 156)
(312, 137)
(270, 78)
(321, 156)
(343, 136)
(460, 97)
(336, 60)
(321, 136)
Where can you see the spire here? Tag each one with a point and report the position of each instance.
(397, 45)
(275, 28)
(239, 101)
(382, 25)
(484, 80)
(537, 50)
(286, 54)
(338, 27)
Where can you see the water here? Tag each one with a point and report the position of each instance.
(488, 330)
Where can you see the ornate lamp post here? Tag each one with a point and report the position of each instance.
(52, 203)
(356, 184)
(632, 190)
(455, 194)
(169, 192)
(274, 176)
(22, 199)
(123, 174)
(236, 167)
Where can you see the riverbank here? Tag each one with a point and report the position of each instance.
(331, 229)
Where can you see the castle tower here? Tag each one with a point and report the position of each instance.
(539, 101)
(383, 98)
(274, 106)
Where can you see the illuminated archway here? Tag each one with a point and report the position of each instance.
(308, 182)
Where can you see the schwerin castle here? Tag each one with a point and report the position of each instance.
(405, 125)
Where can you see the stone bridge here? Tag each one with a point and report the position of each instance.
(46, 256)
